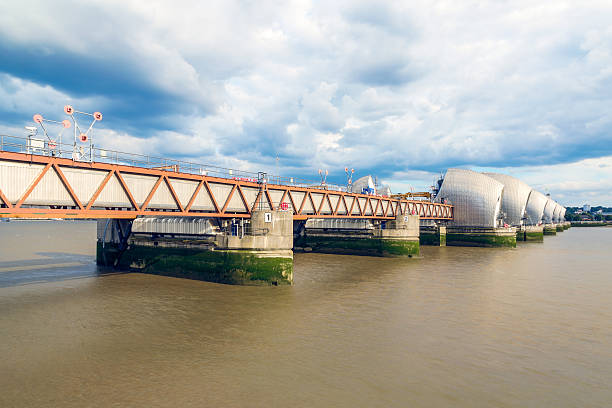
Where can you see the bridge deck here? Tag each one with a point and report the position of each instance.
(39, 186)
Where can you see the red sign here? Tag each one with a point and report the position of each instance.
(284, 206)
(52, 145)
(83, 137)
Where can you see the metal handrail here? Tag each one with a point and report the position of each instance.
(20, 144)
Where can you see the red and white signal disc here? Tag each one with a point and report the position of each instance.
(38, 118)
(83, 137)
(68, 109)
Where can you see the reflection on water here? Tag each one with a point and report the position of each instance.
(460, 327)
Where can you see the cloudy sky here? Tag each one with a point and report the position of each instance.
(401, 90)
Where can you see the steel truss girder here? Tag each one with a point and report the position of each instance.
(348, 205)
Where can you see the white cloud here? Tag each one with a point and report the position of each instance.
(382, 87)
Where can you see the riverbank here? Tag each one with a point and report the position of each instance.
(591, 223)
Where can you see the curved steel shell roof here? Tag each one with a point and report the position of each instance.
(563, 210)
(363, 182)
(549, 211)
(535, 207)
(476, 197)
(557, 213)
(514, 197)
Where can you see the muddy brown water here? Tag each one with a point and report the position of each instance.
(459, 327)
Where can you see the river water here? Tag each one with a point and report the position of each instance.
(460, 327)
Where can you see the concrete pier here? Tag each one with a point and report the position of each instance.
(396, 238)
(432, 235)
(521, 233)
(534, 233)
(550, 229)
(481, 236)
(259, 253)
(559, 227)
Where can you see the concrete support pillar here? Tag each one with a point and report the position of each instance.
(481, 236)
(258, 254)
(521, 233)
(112, 240)
(396, 238)
(433, 235)
(550, 229)
(534, 233)
(559, 227)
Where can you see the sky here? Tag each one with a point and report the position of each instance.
(399, 90)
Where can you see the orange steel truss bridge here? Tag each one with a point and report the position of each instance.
(38, 180)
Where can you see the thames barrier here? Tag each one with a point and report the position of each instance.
(222, 225)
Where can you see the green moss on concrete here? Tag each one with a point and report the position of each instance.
(521, 235)
(560, 228)
(434, 239)
(394, 247)
(534, 236)
(481, 240)
(360, 246)
(231, 267)
(550, 231)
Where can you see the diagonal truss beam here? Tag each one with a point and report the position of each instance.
(380, 207)
(5, 200)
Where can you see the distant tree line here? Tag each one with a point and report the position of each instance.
(592, 215)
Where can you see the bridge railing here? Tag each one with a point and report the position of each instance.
(40, 146)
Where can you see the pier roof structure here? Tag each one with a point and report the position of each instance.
(535, 207)
(514, 197)
(549, 211)
(476, 198)
(557, 213)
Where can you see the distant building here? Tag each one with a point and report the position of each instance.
(586, 208)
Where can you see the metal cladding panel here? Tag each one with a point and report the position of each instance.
(476, 197)
(333, 199)
(184, 189)
(342, 207)
(84, 182)
(203, 201)
(140, 186)
(275, 196)
(548, 211)
(317, 199)
(250, 195)
(16, 177)
(50, 190)
(535, 207)
(174, 225)
(162, 198)
(113, 195)
(514, 197)
(557, 213)
(563, 210)
(298, 199)
(339, 223)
